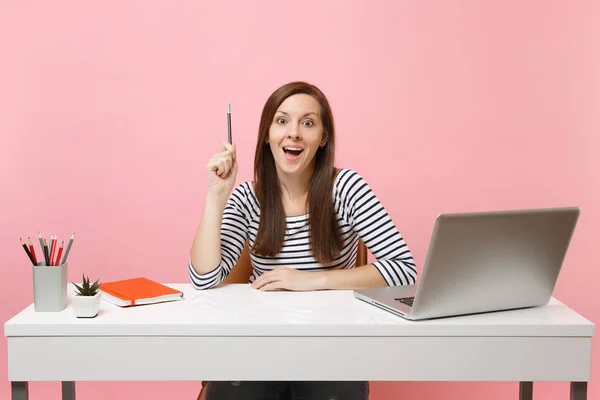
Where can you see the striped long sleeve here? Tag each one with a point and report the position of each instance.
(234, 233)
(361, 208)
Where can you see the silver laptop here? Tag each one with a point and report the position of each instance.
(484, 262)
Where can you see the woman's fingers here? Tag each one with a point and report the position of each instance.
(222, 170)
(221, 164)
(227, 163)
(278, 285)
(270, 277)
(232, 170)
(228, 149)
(213, 164)
(262, 280)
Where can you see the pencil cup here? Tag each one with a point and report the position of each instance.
(49, 287)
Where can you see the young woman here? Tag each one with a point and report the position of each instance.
(302, 219)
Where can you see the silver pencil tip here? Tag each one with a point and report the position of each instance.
(228, 107)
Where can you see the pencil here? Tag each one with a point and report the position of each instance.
(32, 251)
(229, 122)
(42, 246)
(55, 250)
(64, 260)
(46, 253)
(52, 249)
(27, 251)
(60, 249)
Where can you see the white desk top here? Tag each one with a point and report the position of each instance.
(238, 310)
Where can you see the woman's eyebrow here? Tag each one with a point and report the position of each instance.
(305, 115)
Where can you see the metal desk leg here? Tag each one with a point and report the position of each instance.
(578, 390)
(68, 391)
(526, 391)
(20, 390)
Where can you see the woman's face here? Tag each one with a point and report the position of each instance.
(296, 133)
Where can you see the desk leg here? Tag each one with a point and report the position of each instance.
(526, 391)
(20, 390)
(68, 391)
(578, 390)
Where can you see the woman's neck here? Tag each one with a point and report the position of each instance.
(294, 187)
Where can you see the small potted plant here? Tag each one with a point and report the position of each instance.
(87, 299)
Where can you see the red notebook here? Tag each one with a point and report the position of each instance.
(137, 291)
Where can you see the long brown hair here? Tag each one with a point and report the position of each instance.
(326, 238)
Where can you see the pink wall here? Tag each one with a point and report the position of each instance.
(109, 111)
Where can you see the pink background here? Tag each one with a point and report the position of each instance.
(109, 111)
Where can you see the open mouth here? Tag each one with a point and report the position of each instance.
(292, 151)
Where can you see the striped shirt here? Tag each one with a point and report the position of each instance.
(360, 215)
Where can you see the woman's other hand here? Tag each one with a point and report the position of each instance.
(289, 279)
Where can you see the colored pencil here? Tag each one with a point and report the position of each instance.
(52, 249)
(27, 251)
(32, 251)
(54, 261)
(60, 250)
(64, 260)
(46, 252)
(43, 249)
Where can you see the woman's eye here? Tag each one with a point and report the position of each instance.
(280, 120)
(308, 123)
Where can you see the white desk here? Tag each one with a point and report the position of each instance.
(220, 334)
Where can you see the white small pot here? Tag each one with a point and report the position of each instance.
(85, 306)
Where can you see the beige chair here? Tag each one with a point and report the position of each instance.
(240, 273)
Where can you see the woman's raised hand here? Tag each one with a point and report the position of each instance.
(221, 171)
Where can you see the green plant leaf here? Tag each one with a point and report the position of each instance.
(86, 289)
(79, 288)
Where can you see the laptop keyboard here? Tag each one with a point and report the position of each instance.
(406, 300)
